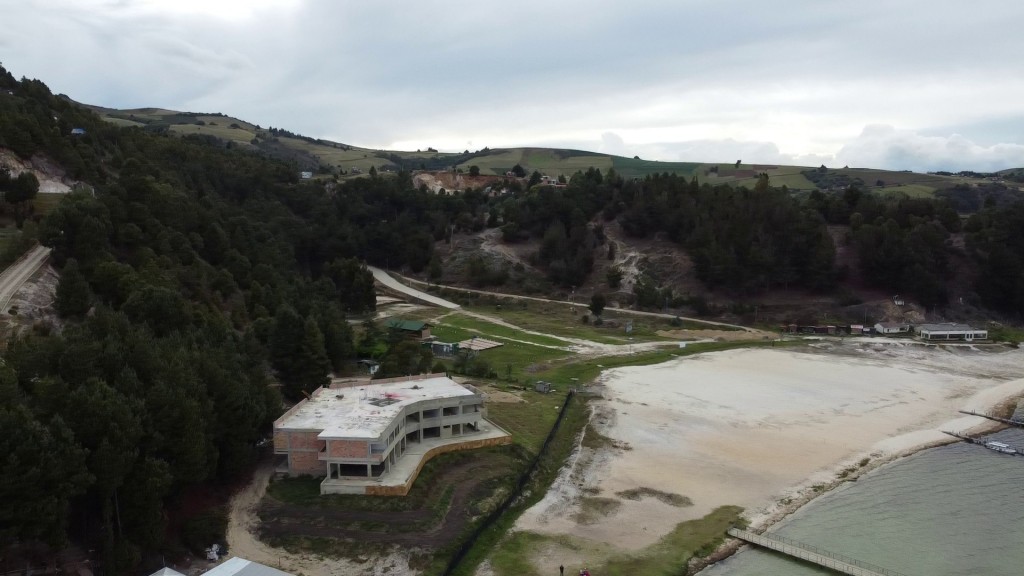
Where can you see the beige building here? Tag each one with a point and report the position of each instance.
(373, 439)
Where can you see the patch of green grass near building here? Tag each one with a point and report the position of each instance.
(668, 557)
(513, 362)
(1002, 333)
(562, 445)
(588, 370)
(529, 422)
(45, 202)
(560, 320)
(305, 490)
(491, 329)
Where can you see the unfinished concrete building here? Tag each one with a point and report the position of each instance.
(374, 438)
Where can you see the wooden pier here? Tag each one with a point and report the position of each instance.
(995, 418)
(813, 554)
(985, 443)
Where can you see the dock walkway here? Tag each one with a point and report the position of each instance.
(1016, 423)
(812, 554)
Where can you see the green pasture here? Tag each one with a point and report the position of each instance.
(561, 320)
(44, 203)
(910, 190)
(514, 555)
(344, 159)
(496, 163)
(491, 329)
(221, 130)
(634, 168)
(8, 235)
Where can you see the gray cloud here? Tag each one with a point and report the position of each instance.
(695, 80)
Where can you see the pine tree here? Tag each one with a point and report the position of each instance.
(72, 291)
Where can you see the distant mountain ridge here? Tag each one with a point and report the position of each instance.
(345, 160)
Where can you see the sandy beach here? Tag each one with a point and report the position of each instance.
(756, 427)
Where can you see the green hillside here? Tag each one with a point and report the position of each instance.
(344, 160)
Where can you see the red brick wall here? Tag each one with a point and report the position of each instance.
(348, 448)
(307, 463)
(280, 441)
(306, 441)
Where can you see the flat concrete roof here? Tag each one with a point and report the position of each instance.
(242, 567)
(364, 412)
(949, 327)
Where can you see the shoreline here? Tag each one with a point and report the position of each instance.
(768, 430)
(807, 493)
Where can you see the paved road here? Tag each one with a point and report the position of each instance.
(386, 279)
(565, 302)
(16, 274)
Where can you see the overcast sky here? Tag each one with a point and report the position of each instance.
(897, 84)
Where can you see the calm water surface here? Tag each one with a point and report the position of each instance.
(956, 510)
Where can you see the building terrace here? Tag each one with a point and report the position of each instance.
(374, 438)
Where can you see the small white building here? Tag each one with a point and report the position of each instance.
(950, 331)
(305, 175)
(891, 328)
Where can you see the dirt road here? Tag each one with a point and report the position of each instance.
(537, 299)
(386, 279)
(16, 274)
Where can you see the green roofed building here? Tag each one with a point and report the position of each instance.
(410, 328)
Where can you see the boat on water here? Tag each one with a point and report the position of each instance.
(1000, 447)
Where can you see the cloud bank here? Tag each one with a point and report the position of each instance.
(803, 82)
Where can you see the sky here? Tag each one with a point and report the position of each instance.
(917, 85)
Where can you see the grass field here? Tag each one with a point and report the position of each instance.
(514, 362)
(634, 168)
(340, 157)
(45, 203)
(491, 329)
(223, 131)
(560, 320)
(7, 236)
(911, 190)
(668, 556)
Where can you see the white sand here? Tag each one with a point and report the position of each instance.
(750, 427)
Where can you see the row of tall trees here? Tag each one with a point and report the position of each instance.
(198, 284)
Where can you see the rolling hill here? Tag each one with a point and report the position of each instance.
(345, 160)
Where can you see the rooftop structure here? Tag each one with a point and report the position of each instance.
(366, 411)
(410, 327)
(242, 567)
(373, 439)
(233, 567)
(950, 331)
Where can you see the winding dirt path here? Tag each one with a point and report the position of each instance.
(565, 303)
(16, 274)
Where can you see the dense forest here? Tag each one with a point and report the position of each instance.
(201, 284)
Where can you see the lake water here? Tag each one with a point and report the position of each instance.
(956, 510)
